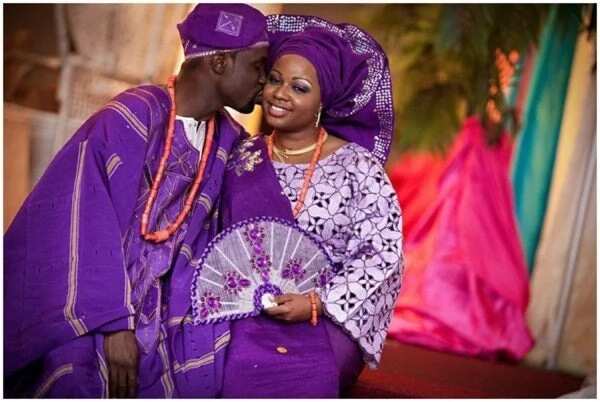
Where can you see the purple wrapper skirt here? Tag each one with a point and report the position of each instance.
(268, 358)
(265, 358)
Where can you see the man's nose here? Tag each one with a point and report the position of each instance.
(262, 79)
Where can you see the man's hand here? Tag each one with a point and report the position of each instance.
(292, 307)
(121, 352)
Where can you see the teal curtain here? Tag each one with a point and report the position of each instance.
(533, 161)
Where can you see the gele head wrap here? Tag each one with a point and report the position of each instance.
(354, 77)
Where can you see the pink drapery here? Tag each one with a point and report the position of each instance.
(465, 288)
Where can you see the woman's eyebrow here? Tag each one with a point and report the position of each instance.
(302, 78)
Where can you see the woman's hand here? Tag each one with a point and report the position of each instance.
(292, 307)
(121, 352)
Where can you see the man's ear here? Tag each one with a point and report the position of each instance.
(220, 63)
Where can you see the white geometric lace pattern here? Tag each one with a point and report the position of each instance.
(352, 207)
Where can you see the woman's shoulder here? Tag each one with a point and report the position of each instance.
(367, 175)
(357, 159)
(246, 143)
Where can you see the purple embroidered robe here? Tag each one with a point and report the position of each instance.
(75, 266)
(320, 361)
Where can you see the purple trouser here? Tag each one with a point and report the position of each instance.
(317, 362)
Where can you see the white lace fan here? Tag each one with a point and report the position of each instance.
(244, 267)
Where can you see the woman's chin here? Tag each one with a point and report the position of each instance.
(276, 123)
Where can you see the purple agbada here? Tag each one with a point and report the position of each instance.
(76, 266)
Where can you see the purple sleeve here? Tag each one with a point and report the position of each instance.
(64, 268)
(362, 295)
(119, 324)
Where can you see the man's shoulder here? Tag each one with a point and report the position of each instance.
(145, 98)
(237, 128)
(136, 111)
(141, 108)
(227, 117)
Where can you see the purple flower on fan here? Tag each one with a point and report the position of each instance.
(323, 278)
(293, 270)
(261, 263)
(260, 260)
(234, 283)
(257, 248)
(209, 304)
(255, 234)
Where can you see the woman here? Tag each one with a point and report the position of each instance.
(328, 99)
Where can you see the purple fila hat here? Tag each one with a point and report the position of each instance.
(219, 28)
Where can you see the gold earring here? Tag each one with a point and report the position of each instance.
(318, 116)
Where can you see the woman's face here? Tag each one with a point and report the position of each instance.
(291, 96)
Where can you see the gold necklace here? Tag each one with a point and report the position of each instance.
(284, 153)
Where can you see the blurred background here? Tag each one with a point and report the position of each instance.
(494, 157)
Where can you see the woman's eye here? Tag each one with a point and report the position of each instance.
(300, 89)
(273, 80)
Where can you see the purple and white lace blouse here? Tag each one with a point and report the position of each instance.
(352, 207)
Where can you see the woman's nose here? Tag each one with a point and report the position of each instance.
(280, 92)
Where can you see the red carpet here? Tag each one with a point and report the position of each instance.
(410, 371)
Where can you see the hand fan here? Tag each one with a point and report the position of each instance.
(244, 267)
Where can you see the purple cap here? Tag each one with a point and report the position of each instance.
(219, 28)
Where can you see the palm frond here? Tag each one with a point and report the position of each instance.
(442, 58)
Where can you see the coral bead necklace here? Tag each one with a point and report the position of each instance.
(311, 167)
(164, 234)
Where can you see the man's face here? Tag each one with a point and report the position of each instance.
(246, 80)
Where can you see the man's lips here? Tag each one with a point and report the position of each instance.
(258, 97)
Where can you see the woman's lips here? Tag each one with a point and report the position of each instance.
(276, 111)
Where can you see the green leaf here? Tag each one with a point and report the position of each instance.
(442, 60)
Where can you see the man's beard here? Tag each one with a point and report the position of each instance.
(249, 107)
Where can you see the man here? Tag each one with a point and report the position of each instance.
(99, 260)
